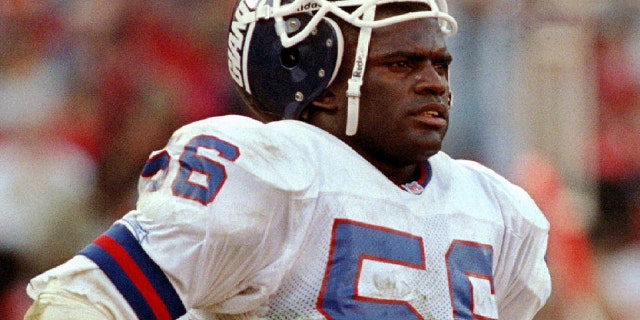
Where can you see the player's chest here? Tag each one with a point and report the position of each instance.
(372, 259)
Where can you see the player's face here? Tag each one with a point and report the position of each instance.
(405, 94)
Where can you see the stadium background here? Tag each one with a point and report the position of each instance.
(546, 92)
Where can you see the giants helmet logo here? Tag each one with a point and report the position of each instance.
(236, 41)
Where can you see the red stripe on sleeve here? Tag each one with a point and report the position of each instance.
(136, 276)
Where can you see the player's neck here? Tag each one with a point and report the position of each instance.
(399, 175)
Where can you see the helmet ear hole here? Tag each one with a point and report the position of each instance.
(290, 57)
(278, 82)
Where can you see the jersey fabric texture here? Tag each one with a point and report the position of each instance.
(237, 219)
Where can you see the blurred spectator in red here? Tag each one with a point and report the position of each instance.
(570, 256)
(617, 144)
(13, 301)
(616, 233)
(152, 68)
(87, 90)
(45, 181)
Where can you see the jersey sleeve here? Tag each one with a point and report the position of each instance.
(525, 275)
(522, 279)
(216, 211)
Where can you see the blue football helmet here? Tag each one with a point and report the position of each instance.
(283, 54)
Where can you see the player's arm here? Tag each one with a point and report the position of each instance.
(523, 273)
(230, 197)
(209, 235)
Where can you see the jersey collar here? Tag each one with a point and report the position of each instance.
(417, 186)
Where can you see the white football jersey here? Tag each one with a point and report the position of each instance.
(242, 220)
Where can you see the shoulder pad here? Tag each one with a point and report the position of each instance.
(224, 145)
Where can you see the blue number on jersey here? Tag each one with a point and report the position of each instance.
(193, 162)
(352, 241)
(467, 259)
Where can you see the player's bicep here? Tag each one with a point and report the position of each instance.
(527, 285)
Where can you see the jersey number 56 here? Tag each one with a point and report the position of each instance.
(469, 265)
(469, 269)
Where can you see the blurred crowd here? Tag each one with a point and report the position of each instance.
(89, 88)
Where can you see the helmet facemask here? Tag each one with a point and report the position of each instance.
(284, 55)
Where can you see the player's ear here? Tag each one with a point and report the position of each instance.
(326, 101)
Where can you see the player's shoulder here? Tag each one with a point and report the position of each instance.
(468, 169)
(235, 126)
(514, 201)
(290, 135)
(280, 153)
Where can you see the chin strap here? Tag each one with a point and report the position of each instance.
(355, 82)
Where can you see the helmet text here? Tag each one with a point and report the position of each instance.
(236, 42)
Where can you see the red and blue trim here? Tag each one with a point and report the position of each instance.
(425, 174)
(138, 278)
(418, 186)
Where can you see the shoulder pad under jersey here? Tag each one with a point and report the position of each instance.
(222, 145)
(510, 197)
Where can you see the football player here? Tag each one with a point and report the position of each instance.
(339, 205)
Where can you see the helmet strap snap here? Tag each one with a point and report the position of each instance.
(355, 82)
